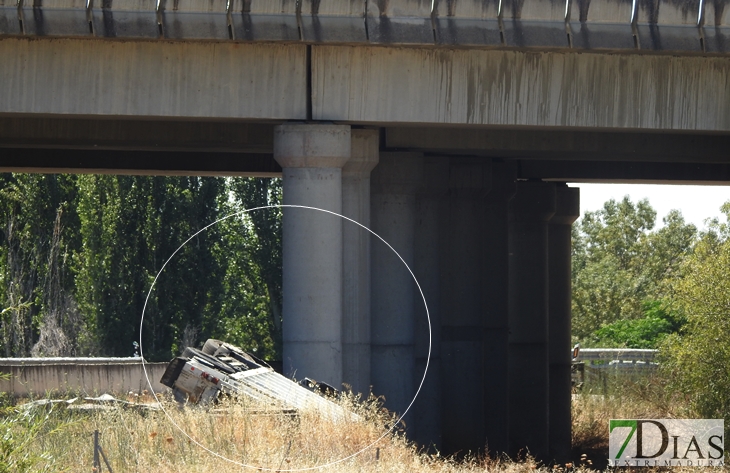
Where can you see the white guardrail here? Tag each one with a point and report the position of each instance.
(597, 356)
(596, 363)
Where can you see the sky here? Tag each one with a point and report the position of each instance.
(695, 202)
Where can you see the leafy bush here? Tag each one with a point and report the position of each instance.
(696, 360)
(647, 332)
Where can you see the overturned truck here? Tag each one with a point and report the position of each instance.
(200, 376)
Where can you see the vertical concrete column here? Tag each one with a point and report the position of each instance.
(393, 215)
(356, 260)
(312, 157)
(496, 308)
(559, 267)
(430, 209)
(462, 305)
(530, 210)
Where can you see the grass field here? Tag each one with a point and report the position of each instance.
(238, 436)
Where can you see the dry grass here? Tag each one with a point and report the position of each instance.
(261, 438)
(265, 439)
(627, 397)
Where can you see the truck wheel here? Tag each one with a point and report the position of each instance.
(211, 346)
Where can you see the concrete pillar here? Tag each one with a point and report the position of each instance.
(496, 309)
(530, 210)
(559, 267)
(356, 260)
(430, 207)
(393, 214)
(312, 156)
(462, 305)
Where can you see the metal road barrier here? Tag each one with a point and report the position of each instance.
(690, 26)
(597, 363)
(597, 356)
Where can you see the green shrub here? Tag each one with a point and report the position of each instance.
(646, 332)
(697, 360)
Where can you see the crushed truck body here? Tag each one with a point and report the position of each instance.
(200, 376)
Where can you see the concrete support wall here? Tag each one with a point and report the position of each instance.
(462, 305)
(530, 210)
(312, 157)
(87, 376)
(429, 239)
(496, 309)
(567, 210)
(395, 181)
(356, 260)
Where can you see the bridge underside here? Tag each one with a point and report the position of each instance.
(457, 157)
(159, 147)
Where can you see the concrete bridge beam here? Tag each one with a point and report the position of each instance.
(559, 262)
(312, 157)
(395, 181)
(530, 210)
(356, 259)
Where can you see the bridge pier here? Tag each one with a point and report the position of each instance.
(430, 207)
(530, 210)
(395, 181)
(356, 260)
(495, 319)
(559, 237)
(462, 304)
(312, 157)
(493, 258)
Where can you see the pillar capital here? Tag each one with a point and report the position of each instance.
(365, 152)
(567, 208)
(534, 200)
(304, 145)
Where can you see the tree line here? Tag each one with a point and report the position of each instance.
(636, 286)
(80, 252)
(627, 275)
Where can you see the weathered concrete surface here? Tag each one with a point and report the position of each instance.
(463, 275)
(394, 183)
(567, 210)
(495, 321)
(564, 145)
(158, 135)
(138, 163)
(356, 260)
(530, 210)
(364, 84)
(516, 88)
(89, 376)
(429, 233)
(312, 157)
(152, 79)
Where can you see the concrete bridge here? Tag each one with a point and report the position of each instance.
(448, 127)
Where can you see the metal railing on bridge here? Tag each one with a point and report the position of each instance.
(690, 26)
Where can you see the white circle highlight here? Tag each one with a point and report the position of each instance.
(141, 348)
